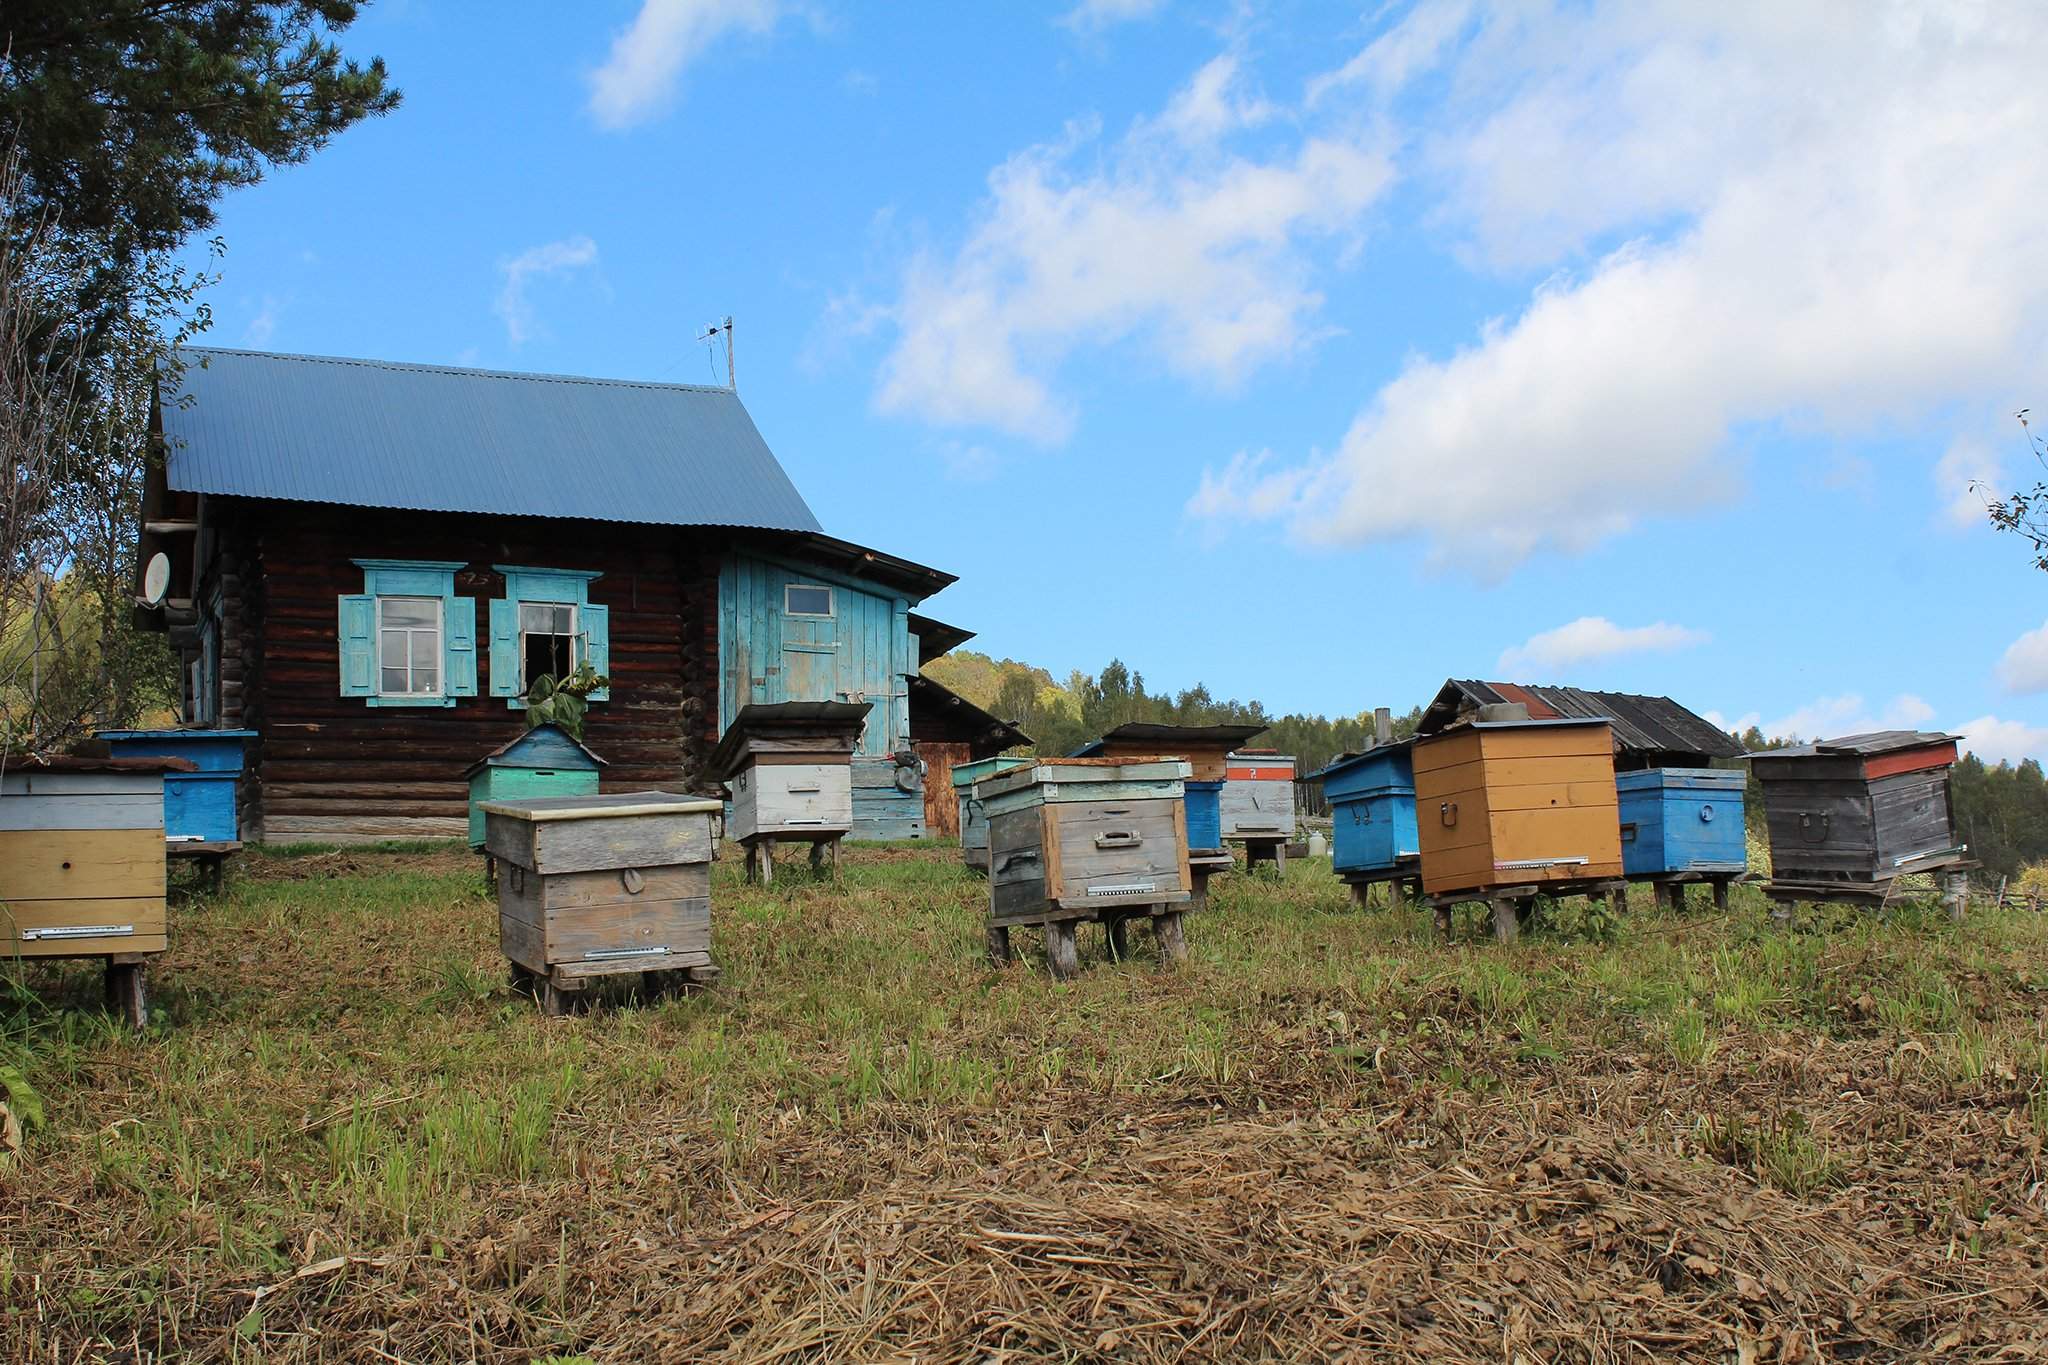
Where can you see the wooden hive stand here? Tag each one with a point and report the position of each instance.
(1076, 840)
(1511, 907)
(789, 768)
(602, 886)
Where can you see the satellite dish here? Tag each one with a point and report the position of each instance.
(156, 579)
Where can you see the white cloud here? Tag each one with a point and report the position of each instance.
(1748, 214)
(1968, 476)
(1094, 15)
(548, 261)
(1849, 714)
(1163, 236)
(2024, 668)
(2003, 741)
(1590, 638)
(968, 463)
(261, 328)
(648, 56)
(1734, 725)
(1392, 59)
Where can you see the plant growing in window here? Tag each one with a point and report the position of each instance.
(564, 701)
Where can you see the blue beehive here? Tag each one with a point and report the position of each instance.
(545, 761)
(1372, 809)
(1682, 820)
(199, 806)
(1205, 814)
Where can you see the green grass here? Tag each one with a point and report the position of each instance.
(339, 1068)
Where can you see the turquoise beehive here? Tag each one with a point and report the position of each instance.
(545, 761)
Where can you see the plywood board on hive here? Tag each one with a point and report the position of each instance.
(638, 841)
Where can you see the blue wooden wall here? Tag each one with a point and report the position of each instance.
(863, 652)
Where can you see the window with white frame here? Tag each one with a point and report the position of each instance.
(409, 646)
(806, 599)
(549, 643)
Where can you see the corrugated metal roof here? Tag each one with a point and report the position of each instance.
(1645, 725)
(373, 433)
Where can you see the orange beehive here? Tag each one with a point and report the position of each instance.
(1516, 803)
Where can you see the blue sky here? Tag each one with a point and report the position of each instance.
(1315, 354)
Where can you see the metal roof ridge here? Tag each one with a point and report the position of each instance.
(465, 371)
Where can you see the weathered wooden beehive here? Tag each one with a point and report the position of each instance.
(82, 870)
(597, 886)
(1257, 806)
(1207, 749)
(1852, 814)
(1507, 808)
(973, 819)
(1684, 823)
(1073, 839)
(1372, 816)
(545, 761)
(788, 767)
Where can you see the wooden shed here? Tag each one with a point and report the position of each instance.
(1849, 816)
(1372, 816)
(788, 766)
(545, 761)
(1507, 809)
(82, 871)
(949, 735)
(1075, 839)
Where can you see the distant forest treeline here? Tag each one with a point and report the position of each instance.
(2002, 811)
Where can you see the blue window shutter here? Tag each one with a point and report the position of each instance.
(459, 646)
(597, 644)
(358, 645)
(504, 648)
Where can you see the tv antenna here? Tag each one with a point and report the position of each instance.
(722, 325)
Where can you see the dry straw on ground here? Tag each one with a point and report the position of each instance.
(1713, 1139)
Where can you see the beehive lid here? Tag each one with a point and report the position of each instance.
(87, 763)
(1344, 763)
(1065, 771)
(827, 727)
(1868, 745)
(614, 806)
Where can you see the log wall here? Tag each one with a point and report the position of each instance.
(333, 769)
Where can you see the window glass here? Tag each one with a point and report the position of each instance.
(806, 599)
(409, 646)
(547, 641)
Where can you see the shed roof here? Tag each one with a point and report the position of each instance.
(932, 702)
(1643, 725)
(435, 438)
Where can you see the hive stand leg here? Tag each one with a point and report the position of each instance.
(1621, 899)
(1955, 894)
(1117, 929)
(217, 872)
(999, 945)
(1062, 951)
(126, 996)
(1361, 895)
(1443, 922)
(1396, 897)
(1505, 923)
(554, 1001)
(1280, 859)
(766, 849)
(1720, 893)
(1170, 930)
(818, 848)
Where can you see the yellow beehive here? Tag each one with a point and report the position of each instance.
(1517, 803)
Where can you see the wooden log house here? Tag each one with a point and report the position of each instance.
(1681, 819)
(372, 561)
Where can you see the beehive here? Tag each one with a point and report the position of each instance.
(1682, 820)
(82, 870)
(1258, 796)
(545, 761)
(1206, 748)
(594, 886)
(1372, 812)
(1069, 836)
(1862, 809)
(788, 766)
(1516, 803)
(973, 819)
(200, 805)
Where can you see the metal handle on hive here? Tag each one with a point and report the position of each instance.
(1448, 813)
(1119, 838)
